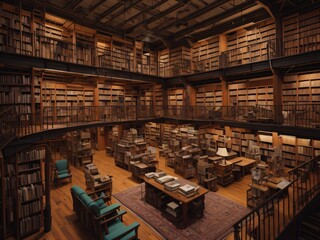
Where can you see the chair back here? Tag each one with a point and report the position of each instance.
(61, 164)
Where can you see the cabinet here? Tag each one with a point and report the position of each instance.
(23, 188)
(224, 173)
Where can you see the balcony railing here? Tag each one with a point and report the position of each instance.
(57, 49)
(269, 219)
(22, 124)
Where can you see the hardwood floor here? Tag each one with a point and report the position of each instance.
(64, 220)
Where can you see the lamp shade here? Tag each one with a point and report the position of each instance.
(222, 152)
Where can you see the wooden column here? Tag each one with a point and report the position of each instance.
(96, 102)
(101, 138)
(225, 96)
(277, 96)
(279, 37)
(190, 96)
(165, 99)
(223, 61)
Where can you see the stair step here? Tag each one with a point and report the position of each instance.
(316, 214)
(314, 220)
(312, 226)
(309, 235)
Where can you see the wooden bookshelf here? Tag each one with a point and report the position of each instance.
(63, 101)
(301, 32)
(205, 55)
(16, 90)
(209, 96)
(266, 144)
(250, 44)
(23, 186)
(250, 93)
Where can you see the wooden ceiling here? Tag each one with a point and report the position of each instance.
(162, 22)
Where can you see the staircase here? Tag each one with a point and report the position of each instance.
(310, 226)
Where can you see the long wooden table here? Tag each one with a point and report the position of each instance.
(185, 201)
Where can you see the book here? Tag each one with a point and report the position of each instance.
(173, 205)
(172, 185)
(187, 188)
(164, 179)
(149, 174)
(159, 174)
(189, 194)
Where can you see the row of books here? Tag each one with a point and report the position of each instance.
(29, 193)
(29, 224)
(173, 209)
(31, 155)
(30, 209)
(27, 166)
(29, 178)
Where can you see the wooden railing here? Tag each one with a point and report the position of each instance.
(21, 124)
(268, 220)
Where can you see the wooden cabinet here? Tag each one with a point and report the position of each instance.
(224, 173)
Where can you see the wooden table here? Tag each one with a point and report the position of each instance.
(245, 164)
(185, 202)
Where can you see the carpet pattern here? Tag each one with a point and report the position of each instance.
(219, 216)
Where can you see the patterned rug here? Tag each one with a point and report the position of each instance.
(219, 216)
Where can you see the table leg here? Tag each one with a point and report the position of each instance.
(185, 214)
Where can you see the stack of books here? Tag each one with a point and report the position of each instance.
(173, 209)
(172, 185)
(159, 174)
(149, 174)
(165, 179)
(188, 190)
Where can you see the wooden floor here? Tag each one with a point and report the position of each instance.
(64, 220)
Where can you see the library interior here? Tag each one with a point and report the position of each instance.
(160, 119)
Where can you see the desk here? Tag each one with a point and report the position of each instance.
(245, 164)
(152, 186)
(215, 159)
(138, 170)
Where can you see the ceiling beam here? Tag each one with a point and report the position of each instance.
(70, 15)
(201, 11)
(143, 11)
(157, 17)
(72, 4)
(109, 10)
(91, 9)
(252, 17)
(237, 9)
(130, 5)
(270, 8)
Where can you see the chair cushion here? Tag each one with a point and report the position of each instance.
(63, 171)
(100, 203)
(64, 175)
(117, 228)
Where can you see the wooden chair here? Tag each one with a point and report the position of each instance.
(61, 171)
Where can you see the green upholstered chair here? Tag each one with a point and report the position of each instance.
(62, 171)
(114, 229)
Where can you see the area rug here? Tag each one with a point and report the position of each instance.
(219, 216)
